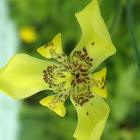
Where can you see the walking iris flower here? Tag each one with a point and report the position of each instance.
(25, 75)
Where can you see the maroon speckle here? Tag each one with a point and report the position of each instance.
(79, 81)
(44, 71)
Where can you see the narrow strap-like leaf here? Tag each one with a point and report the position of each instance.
(116, 16)
(132, 34)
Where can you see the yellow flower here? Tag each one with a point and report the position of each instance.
(28, 34)
(24, 75)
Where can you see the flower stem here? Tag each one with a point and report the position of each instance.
(116, 17)
(132, 34)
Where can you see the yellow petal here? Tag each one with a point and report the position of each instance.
(92, 117)
(58, 108)
(24, 76)
(56, 102)
(54, 50)
(51, 49)
(91, 109)
(95, 44)
(99, 86)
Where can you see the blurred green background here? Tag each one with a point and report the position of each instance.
(44, 19)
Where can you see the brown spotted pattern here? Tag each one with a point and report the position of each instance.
(80, 66)
(64, 60)
(51, 49)
(60, 96)
(60, 57)
(49, 44)
(82, 56)
(82, 89)
(49, 76)
(99, 83)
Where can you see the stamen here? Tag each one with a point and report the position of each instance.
(68, 78)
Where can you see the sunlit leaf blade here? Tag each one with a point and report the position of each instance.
(116, 17)
(132, 34)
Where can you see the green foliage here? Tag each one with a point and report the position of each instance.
(50, 17)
